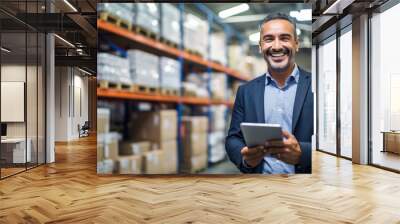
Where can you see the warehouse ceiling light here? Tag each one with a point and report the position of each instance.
(5, 49)
(233, 11)
(254, 37)
(65, 41)
(245, 18)
(298, 31)
(302, 15)
(70, 5)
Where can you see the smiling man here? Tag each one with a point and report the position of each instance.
(280, 96)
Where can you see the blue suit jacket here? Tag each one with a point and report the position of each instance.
(249, 107)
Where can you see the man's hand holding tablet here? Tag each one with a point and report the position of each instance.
(268, 139)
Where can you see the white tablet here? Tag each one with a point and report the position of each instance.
(258, 133)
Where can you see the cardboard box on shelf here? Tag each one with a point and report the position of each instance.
(105, 166)
(103, 120)
(218, 47)
(199, 162)
(130, 164)
(195, 124)
(110, 144)
(170, 151)
(153, 126)
(134, 148)
(195, 164)
(154, 162)
(236, 53)
(194, 144)
(100, 152)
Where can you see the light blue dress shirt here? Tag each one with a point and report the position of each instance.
(278, 109)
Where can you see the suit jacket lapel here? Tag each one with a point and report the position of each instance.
(259, 100)
(302, 88)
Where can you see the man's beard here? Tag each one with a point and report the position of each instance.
(267, 54)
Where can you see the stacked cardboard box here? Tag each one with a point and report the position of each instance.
(144, 68)
(131, 155)
(159, 128)
(129, 164)
(194, 143)
(103, 120)
(148, 16)
(107, 152)
(107, 143)
(170, 73)
(105, 166)
(170, 29)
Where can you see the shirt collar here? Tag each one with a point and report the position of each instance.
(294, 76)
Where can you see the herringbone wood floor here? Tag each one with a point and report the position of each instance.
(69, 191)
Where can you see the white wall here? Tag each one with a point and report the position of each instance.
(71, 93)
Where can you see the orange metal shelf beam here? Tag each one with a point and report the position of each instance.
(119, 94)
(131, 35)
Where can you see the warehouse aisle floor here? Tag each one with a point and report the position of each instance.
(225, 167)
(70, 191)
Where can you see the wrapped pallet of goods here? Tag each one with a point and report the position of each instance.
(196, 35)
(148, 17)
(217, 133)
(144, 70)
(218, 86)
(107, 151)
(218, 49)
(170, 29)
(121, 14)
(170, 70)
(217, 146)
(218, 121)
(236, 55)
(112, 71)
(195, 84)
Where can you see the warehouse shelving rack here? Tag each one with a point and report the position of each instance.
(156, 47)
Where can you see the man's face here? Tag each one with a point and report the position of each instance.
(278, 44)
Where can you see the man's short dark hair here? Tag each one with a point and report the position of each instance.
(280, 16)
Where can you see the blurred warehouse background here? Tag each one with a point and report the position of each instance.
(167, 76)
